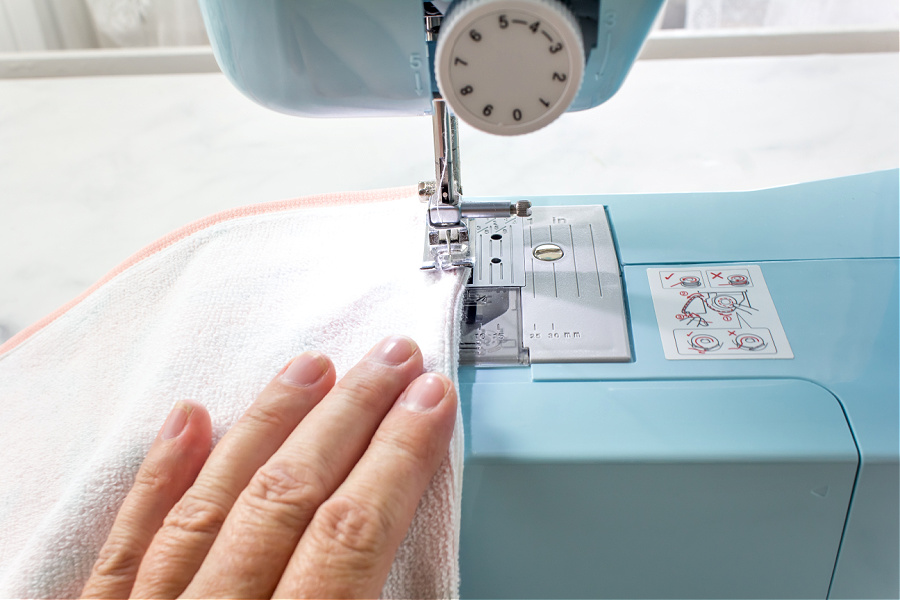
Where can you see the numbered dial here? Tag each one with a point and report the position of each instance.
(509, 66)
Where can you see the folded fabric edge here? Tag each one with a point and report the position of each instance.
(445, 582)
(319, 200)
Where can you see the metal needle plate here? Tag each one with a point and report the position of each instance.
(561, 297)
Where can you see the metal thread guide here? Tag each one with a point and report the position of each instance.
(447, 215)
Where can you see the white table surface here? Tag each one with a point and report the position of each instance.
(92, 169)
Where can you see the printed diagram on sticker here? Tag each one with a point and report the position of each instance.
(718, 313)
(702, 307)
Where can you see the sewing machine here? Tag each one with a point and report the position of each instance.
(690, 395)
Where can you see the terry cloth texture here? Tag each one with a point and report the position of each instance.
(212, 312)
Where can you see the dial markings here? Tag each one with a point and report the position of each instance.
(496, 89)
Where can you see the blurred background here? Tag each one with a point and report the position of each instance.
(116, 127)
(33, 25)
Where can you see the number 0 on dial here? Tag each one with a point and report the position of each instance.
(509, 66)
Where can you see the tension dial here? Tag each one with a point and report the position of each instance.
(509, 66)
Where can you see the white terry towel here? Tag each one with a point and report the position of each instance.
(212, 312)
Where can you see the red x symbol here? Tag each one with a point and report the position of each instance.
(716, 275)
(731, 333)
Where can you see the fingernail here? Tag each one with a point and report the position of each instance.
(176, 420)
(306, 369)
(426, 393)
(394, 350)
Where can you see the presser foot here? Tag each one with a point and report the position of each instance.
(447, 214)
(447, 226)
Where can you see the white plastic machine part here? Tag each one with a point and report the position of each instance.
(509, 66)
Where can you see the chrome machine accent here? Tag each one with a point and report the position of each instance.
(544, 289)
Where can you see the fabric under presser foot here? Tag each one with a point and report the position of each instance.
(211, 312)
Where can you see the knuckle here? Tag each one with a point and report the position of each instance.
(352, 529)
(151, 478)
(405, 448)
(194, 514)
(118, 559)
(286, 492)
(268, 416)
(368, 386)
(362, 387)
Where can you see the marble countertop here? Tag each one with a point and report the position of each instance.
(94, 168)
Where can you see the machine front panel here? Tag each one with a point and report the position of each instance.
(659, 489)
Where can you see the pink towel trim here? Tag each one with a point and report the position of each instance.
(341, 198)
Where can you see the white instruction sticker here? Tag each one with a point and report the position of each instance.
(715, 312)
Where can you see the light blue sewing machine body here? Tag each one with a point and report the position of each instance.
(706, 478)
(651, 476)
(369, 57)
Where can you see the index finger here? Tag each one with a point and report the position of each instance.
(348, 548)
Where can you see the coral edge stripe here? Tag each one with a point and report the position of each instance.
(334, 199)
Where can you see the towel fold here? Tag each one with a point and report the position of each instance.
(211, 313)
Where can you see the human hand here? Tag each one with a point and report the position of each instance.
(308, 495)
